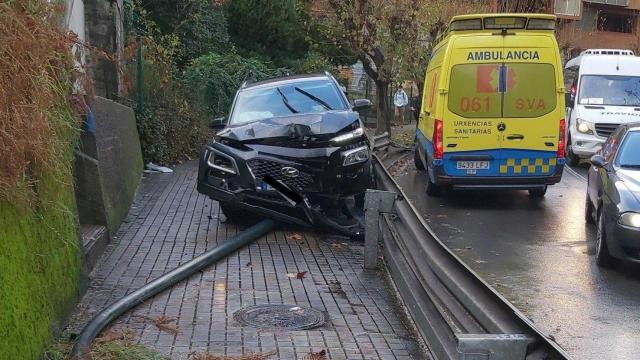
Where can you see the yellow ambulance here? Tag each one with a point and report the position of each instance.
(492, 112)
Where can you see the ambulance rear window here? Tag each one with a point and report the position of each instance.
(512, 90)
(473, 91)
(531, 90)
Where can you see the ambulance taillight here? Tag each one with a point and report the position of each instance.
(561, 139)
(438, 147)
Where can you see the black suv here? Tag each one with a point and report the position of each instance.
(300, 131)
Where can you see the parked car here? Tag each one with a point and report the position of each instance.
(603, 89)
(299, 130)
(613, 197)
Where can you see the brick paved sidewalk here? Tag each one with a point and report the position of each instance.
(170, 223)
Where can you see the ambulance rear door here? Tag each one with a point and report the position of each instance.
(531, 109)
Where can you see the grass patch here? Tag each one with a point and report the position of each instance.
(113, 344)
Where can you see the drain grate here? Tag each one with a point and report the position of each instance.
(280, 317)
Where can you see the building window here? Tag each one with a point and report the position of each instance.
(567, 7)
(611, 2)
(616, 22)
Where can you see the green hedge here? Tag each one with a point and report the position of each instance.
(40, 269)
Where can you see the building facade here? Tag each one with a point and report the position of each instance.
(598, 24)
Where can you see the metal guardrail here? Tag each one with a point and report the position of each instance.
(457, 313)
(381, 142)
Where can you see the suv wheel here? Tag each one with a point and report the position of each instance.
(572, 159)
(603, 258)
(235, 214)
(588, 210)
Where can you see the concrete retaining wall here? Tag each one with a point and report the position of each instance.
(108, 166)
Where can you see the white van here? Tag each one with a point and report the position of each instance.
(604, 92)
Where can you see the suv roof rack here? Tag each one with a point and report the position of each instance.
(608, 52)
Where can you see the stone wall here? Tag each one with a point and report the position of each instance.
(104, 31)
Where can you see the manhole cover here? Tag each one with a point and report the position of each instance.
(280, 317)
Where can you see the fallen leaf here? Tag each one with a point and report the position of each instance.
(336, 246)
(320, 355)
(294, 237)
(299, 275)
(249, 264)
(111, 335)
(164, 323)
(251, 356)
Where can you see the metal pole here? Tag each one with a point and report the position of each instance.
(82, 351)
(139, 75)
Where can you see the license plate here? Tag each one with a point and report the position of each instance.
(265, 187)
(472, 165)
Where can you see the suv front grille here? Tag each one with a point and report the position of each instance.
(261, 167)
(605, 130)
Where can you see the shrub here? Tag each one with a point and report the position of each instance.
(214, 79)
(37, 124)
(171, 129)
(39, 252)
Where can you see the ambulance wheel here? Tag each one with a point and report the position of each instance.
(537, 193)
(432, 188)
(416, 158)
(572, 159)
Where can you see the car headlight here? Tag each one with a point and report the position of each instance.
(584, 126)
(630, 219)
(348, 136)
(355, 156)
(222, 162)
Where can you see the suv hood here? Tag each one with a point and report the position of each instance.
(296, 127)
(631, 180)
(608, 114)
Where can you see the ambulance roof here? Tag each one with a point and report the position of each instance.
(506, 15)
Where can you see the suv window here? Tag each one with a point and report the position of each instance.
(305, 97)
(629, 154)
(515, 90)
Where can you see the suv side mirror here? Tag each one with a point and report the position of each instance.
(569, 99)
(598, 161)
(218, 123)
(361, 104)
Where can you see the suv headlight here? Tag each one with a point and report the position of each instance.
(630, 219)
(355, 156)
(584, 126)
(348, 136)
(222, 162)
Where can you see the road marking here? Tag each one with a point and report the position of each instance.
(574, 173)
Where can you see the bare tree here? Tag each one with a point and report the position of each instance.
(523, 6)
(375, 31)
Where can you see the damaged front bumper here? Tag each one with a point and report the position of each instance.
(317, 175)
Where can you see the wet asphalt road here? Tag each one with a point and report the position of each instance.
(539, 255)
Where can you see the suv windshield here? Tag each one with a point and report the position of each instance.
(305, 97)
(610, 90)
(629, 155)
